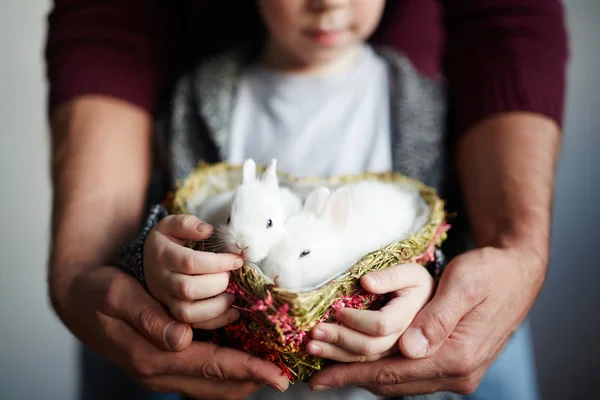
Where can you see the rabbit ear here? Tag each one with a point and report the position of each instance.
(316, 199)
(249, 171)
(270, 174)
(336, 210)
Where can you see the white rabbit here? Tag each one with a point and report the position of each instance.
(258, 210)
(355, 220)
(214, 210)
(316, 199)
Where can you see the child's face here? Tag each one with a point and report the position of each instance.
(318, 31)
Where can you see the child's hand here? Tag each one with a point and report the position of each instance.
(190, 283)
(370, 335)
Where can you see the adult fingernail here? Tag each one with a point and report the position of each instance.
(415, 343)
(201, 227)
(174, 334)
(314, 349)
(275, 386)
(319, 334)
(320, 388)
(234, 315)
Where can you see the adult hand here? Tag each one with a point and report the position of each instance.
(482, 298)
(109, 311)
(368, 335)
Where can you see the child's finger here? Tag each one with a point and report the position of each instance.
(333, 352)
(194, 312)
(196, 287)
(228, 316)
(352, 341)
(394, 278)
(191, 262)
(393, 318)
(184, 226)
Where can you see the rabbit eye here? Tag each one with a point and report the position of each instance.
(228, 220)
(269, 223)
(304, 253)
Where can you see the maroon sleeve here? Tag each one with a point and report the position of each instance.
(504, 55)
(110, 47)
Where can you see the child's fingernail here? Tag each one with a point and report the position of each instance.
(320, 388)
(319, 334)
(314, 348)
(373, 279)
(238, 263)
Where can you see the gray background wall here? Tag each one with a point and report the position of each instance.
(566, 318)
(37, 355)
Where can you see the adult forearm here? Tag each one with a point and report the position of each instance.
(506, 167)
(100, 172)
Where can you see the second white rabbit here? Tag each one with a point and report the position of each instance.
(324, 240)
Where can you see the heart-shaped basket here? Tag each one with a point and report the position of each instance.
(275, 323)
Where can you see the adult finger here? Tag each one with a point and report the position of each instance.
(199, 360)
(184, 226)
(387, 371)
(203, 388)
(457, 294)
(395, 278)
(333, 352)
(227, 317)
(464, 385)
(210, 361)
(196, 287)
(414, 388)
(192, 262)
(127, 300)
(201, 310)
(349, 340)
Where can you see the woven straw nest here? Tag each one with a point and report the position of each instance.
(275, 322)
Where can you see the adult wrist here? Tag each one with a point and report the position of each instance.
(63, 276)
(532, 246)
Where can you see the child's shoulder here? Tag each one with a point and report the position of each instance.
(408, 80)
(403, 65)
(215, 75)
(229, 61)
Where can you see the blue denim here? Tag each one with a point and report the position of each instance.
(100, 380)
(512, 376)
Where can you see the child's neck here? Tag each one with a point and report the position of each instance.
(277, 59)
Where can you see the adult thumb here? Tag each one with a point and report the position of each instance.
(438, 319)
(184, 226)
(128, 301)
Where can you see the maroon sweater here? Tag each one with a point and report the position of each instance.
(497, 55)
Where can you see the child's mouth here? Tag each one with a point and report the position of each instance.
(326, 38)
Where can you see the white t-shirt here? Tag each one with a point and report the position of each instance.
(315, 125)
(318, 126)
